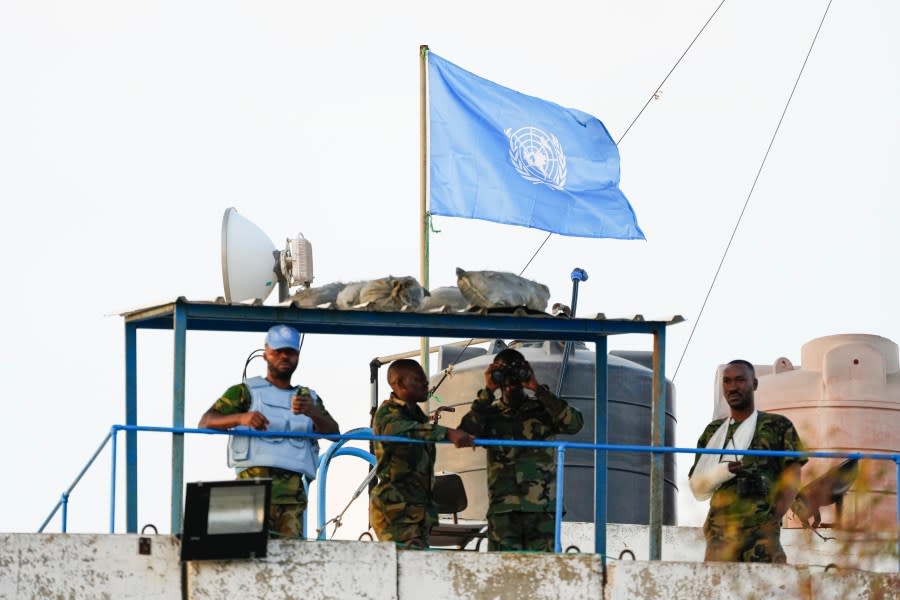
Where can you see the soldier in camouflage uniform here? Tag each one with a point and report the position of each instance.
(745, 511)
(233, 409)
(521, 481)
(401, 508)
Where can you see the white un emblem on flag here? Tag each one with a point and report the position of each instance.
(537, 156)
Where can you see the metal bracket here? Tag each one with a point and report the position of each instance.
(144, 545)
(144, 542)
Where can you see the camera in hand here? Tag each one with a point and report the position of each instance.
(516, 372)
(750, 484)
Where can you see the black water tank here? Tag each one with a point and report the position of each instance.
(629, 416)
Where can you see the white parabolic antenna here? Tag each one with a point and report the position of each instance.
(251, 265)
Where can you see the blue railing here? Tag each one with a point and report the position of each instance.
(64, 498)
(334, 450)
(364, 434)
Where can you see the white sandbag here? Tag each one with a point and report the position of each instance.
(387, 293)
(310, 297)
(496, 289)
(348, 297)
(449, 297)
(393, 293)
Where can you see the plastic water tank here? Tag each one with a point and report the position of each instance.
(629, 410)
(845, 396)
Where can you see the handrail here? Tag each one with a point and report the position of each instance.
(363, 434)
(64, 498)
(360, 435)
(334, 450)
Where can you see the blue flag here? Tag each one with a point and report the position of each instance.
(502, 156)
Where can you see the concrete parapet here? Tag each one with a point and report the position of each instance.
(307, 570)
(854, 585)
(732, 581)
(110, 566)
(709, 581)
(498, 576)
(59, 565)
(875, 551)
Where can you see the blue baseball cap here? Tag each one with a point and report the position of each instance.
(282, 336)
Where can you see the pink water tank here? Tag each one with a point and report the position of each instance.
(844, 396)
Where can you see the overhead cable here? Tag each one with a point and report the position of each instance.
(750, 193)
(655, 94)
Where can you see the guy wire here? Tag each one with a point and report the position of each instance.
(750, 193)
(619, 141)
(640, 112)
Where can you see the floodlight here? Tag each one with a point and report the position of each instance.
(251, 265)
(226, 519)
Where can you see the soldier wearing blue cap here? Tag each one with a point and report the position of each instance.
(272, 403)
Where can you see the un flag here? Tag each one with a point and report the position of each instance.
(499, 155)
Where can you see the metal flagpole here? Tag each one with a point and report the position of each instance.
(423, 190)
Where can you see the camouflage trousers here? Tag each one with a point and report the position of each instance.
(288, 502)
(529, 531)
(733, 542)
(285, 521)
(407, 524)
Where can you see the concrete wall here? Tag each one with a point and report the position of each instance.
(876, 551)
(109, 566)
(308, 570)
(343, 570)
(732, 581)
(459, 575)
(59, 565)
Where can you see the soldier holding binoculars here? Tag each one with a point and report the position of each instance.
(521, 481)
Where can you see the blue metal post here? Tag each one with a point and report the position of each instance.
(65, 510)
(131, 419)
(180, 327)
(657, 439)
(112, 479)
(601, 458)
(560, 483)
(578, 275)
(897, 461)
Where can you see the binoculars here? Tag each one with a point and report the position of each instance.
(517, 372)
(750, 484)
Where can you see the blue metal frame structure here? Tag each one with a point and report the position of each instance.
(182, 315)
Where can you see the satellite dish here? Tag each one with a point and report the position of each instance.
(251, 265)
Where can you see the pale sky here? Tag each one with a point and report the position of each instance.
(127, 129)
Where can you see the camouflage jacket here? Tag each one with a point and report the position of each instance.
(743, 504)
(287, 486)
(405, 471)
(521, 479)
